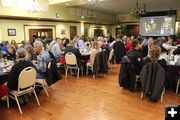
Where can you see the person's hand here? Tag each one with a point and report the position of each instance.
(34, 61)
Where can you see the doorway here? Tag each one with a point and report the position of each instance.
(44, 34)
(73, 32)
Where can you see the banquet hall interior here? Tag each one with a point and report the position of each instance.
(89, 59)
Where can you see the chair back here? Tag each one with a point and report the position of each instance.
(70, 59)
(111, 55)
(27, 78)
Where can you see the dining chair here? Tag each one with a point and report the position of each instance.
(26, 84)
(71, 63)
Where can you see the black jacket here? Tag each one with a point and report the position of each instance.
(152, 80)
(119, 51)
(103, 62)
(127, 76)
(145, 51)
(76, 53)
(136, 60)
(15, 71)
(52, 73)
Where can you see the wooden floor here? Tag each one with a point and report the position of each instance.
(90, 99)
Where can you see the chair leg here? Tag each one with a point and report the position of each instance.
(177, 87)
(78, 74)
(87, 70)
(142, 94)
(94, 76)
(162, 94)
(53, 86)
(66, 72)
(82, 70)
(45, 90)
(8, 101)
(18, 104)
(36, 97)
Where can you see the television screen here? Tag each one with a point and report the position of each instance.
(157, 25)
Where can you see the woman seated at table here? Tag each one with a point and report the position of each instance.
(31, 55)
(95, 49)
(155, 53)
(11, 55)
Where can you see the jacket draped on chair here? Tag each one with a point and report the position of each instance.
(127, 76)
(152, 80)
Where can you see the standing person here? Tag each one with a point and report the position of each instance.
(119, 49)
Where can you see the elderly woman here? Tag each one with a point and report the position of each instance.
(31, 55)
(94, 51)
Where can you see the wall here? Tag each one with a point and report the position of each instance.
(21, 35)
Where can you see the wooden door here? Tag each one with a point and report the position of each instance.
(132, 30)
(98, 32)
(73, 32)
(40, 33)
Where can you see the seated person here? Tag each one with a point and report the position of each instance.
(31, 55)
(21, 63)
(177, 51)
(56, 49)
(155, 53)
(95, 49)
(43, 58)
(168, 45)
(75, 51)
(135, 56)
(11, 55)
(103, 45)
(119, 49)
(146, 48)
(128, 44)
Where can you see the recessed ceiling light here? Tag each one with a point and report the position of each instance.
(82, 17)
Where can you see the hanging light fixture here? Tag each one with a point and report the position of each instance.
(94, 2)
(34, 6)
(137, 11)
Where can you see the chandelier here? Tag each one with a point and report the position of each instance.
(137, 11)
(34, 6)
(94, 2)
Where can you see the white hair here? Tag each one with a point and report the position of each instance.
(38, 43)
(100, 39)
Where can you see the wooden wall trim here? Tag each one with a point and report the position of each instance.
(39, 25)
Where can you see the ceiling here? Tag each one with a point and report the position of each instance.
(122, 6)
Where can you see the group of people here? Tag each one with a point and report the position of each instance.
(39, 54)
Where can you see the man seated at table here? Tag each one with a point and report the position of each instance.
(21, 63)
(146, 49)
(43, 58)
(57, 49)
(75, 51)
(135, 56)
